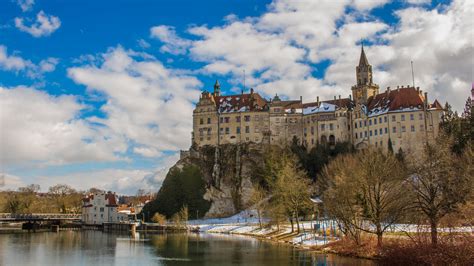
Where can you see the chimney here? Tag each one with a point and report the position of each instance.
(334, 97)
(251, 90)
(350, 97)
(301, 99)
(339, 96)
(317, 100)
(408, 86)
(418, 89)
(398, 87)
(402, 87)
(388, 90)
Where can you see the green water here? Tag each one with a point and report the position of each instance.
(97, 248)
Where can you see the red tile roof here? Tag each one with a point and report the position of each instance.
(234, 103)
(396, 99)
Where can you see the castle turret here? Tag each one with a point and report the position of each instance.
(365, 87)
(217, 88)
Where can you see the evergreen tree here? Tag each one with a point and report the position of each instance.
(390, 145)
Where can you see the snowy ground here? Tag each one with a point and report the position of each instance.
(246, 223)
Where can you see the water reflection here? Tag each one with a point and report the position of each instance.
(97, 248)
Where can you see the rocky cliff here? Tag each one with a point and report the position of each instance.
(228, 172)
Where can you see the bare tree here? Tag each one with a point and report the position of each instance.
(292, 189)
(257, 200)
(441, 181)
(371, 191)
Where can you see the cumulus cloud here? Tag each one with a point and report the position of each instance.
(42, 129)
(10, 182)
(44, 25)
(172, 43)
(146, 102)
(48, 65)
(25, 5)
(281, 49)
(17, 64)
(12, 62)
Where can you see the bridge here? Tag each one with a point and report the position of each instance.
(38, 217)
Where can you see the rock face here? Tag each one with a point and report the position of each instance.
(229, 172)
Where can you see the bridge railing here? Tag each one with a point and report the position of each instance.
(39, 216)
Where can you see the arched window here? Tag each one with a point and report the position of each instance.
(332, 140)
(324, 139)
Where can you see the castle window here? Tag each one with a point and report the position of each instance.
(201, 121)
(247, 129)
(394, 118)
(237, 119)
(386, 130)
(355, 124)
(376, 144)
(247, 118)
(226, 119)
(238, 130)
(221, 119)
(370, 122)
(323, 127)
(222, 130)
(365, 134)
(365, 80)
(371, 133)
(312, 130)
(375, 121)
(360, 134)
(356, 135)
(412, 117)
(412, 128)
(385, 119)
(331, 126)
(365, 123)
(227, 130)
(208, 120)
(360, 123)
(209, 131)
(404, 129)
(403, 117)
(375, 132)
(380, 120)
(200, 132)
(380, 132)
(420, 115)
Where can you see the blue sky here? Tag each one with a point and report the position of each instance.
(100, 93)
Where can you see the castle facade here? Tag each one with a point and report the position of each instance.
(402, 116)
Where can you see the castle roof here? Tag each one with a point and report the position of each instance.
(401, 99)
(363, 58)
(240, 103)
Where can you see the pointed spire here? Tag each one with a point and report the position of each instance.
(217, 88)
(363, 59)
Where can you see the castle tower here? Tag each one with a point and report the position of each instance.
(217, 88)
(365, 87)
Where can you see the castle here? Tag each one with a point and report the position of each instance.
(402, 116)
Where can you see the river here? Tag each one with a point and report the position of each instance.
(97, 248)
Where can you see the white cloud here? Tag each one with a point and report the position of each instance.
(38, 128)
(44, 25)
(12, 62)
(280, 48)
(143, 44)
(172, 43)
(10, 182)
(370, 4)
(25, 5)
(48, 65)
(147, 152)
(146, 102)
(418, 2)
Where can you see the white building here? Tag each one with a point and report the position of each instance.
(101, 207)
